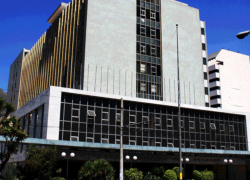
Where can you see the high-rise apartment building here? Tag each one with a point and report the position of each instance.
(120, 47)
(229, 74)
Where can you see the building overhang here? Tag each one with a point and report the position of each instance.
(57, 12)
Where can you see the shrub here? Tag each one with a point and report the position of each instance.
(158, 171)
(150, 176)
(177, 171)
(197, 175)
(207, 175)
(170, 175)
(133, 174)
(58, 178)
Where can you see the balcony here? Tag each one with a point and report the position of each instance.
(215, 101)
(213, 67)
(215, 93)
(214, 84)
(214, 75)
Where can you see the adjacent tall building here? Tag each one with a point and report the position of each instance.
(119, 47)
(229, 74)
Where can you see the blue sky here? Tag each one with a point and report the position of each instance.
(23, 22)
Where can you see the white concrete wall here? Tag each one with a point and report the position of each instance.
(234, 79)
(111, 47)
(190, 52)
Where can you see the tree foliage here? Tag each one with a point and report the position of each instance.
(177, 171)
(133, 174)
(10, 128)
(158, 171)
(197, 175)
(40, 162)
(150, 176)
(98, 169)
(170, 175)
(207, 175)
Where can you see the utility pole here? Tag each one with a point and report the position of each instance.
(121, 142)
(179, 103)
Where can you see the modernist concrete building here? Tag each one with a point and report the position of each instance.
(119, 47)
(97, 52)
(229, 74)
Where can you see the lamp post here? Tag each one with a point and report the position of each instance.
(228, 162)
(128, 158)
(179, 104)
(242, 35)
(64, 155)
(186, 160)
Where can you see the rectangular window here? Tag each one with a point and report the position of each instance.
(152, 15)
(203, 46)
(170, 123)
(91, 113)
(203, 146)
(142, 21)
(223, 147)
(170, 145)
(132, 119)
(153, 70)
(202, 125)
(157, 121)
(153, 88)
(213, 147)
(105, 116)
(158, 144)
(191, 124)
(222, 127)
(202, 31)
(152, 33)
(105, 141)
(206, 90)
(75, 113)
(143, 87)
(132, 143)
(143, 30)
(145, 143)
(192, 146)
(232, 148)
(182, 124)
(204, 61)
(205, 75)
(153, 51)
(90, 140)
(142, 49)
(231, 128)
(143, 68)
(143, 12)
(117, 141)
(118, 117)
(212, 126)
(74, 138)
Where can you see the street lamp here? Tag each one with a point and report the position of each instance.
(72, 155)
(128, 158)
(186, 161)
(242, 35)
(228, 162)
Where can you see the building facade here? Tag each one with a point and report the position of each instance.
(228, 76)
(123, 48)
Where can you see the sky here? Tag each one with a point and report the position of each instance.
(23, 22)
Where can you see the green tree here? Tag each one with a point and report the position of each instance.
(158, 171)
(133, 174)
(197, 175)
(150, 176)
(177, 171)
(98, 169)
(40, 162)
(11, 173)
(10, 129)
(170, 175)
(207, 175)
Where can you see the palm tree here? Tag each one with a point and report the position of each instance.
(98, 169)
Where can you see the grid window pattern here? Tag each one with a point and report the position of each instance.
(200, 129)
(149, 75)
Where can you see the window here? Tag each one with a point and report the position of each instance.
(142, 49)
(213, 147)
(152, 50)
(142, 21)
(212, 126)
(158, 144)
(153, 88)
(157, 121)
(75, 113)
(105, 116)
(170, 145)
(132, 119)
(202, 125)
(74, 138)
(118, 117)
(222, 127)
(152, 15)
(105, 141)
(202, 31)
(232, 148)
(182, 124)
(152, 33)
(143, 30)
(91, 140)
(231, 128)
(204, 61)
(203, 146)
(203, 46)
(205, 75)
(91, 113)
(206, 89)
(191, 124)
(143, 68)
(143, 87)
(117, 141)
(145, 143)
(132, 143)
(223, 147)
(170, 123)
(153, 69)
(192, 146)
(143, 12)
